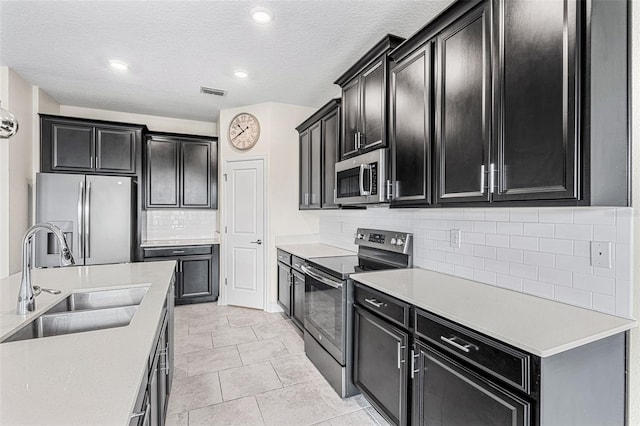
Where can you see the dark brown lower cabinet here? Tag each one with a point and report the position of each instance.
(381, 353)
(298, 299)
(284, 287)
(197, 271)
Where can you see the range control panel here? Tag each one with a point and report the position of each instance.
(398, 242)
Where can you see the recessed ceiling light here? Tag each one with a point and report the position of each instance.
(241, 74)
(118, 65)
(261, 15)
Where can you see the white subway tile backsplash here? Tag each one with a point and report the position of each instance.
(510, 255)
(524, 271)
(573, 296)
(539, 229)
(550, 245)
(525, 243)
(538, 259)
(537, 288)
(603, 285)
(540, 251)
(574, 232)
(556, 215)
(509, 228)
(554, 276)
(179, 224)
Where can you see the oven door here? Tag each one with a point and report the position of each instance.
(325, 307)
(362, 179)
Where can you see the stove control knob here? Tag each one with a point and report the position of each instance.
(360, 236)
(400, 242)
(393, 241)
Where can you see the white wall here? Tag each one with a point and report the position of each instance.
(153, 122)
(278, 144)
(4, 180)
(634, 351)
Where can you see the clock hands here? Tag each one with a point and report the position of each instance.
(243, 130)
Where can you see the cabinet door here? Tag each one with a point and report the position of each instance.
(350, 118)
(372, 112)
(298, 298)
(284, 287)
(536, 116)
(72, 147)
(330, 139)
(411, 128)
(162, 173)
(305, 165)
(463, 108)
(446, 393)
(195, 166)
(380, 365)
(115, 150)
(196, 279)
(315, 169)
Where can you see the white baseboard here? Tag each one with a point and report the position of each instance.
(274, 307)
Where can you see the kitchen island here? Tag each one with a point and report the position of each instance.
(83, 378)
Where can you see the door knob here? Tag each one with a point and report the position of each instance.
(256, 242)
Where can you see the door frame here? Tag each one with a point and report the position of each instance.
(222, 299)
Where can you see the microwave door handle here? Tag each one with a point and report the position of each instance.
(361, 179)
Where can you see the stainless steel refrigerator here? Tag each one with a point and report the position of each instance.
(95, 213)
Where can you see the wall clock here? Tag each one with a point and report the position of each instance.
(244, 131)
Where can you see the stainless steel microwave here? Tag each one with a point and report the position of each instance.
(362, 179)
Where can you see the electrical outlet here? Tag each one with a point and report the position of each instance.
(601, 254)
(454, 238)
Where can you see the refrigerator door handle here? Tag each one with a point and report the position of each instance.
(87, 221)
(80, 220)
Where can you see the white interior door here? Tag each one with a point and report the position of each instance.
(245, 246)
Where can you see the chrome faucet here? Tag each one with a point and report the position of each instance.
(27, 294)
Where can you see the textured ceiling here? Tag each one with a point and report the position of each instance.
(174, 47)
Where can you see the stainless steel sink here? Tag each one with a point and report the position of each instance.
(100, 299)
(84, 311)
(56, 324)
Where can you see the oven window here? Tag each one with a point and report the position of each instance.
(348, 183)
(323, 309)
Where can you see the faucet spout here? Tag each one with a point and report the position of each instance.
(26, 294)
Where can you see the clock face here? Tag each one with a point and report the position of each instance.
(244, 131)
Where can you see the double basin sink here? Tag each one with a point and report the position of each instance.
(84, 311)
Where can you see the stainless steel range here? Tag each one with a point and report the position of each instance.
(329, 300)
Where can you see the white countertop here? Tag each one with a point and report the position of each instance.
(539, 326)
(83, 378)
(185, 242)
(311, 250)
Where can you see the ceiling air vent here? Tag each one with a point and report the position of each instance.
(212, 91)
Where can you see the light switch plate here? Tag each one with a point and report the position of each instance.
(601, 254)
(454, 238)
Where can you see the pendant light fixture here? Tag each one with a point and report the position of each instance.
(8, 124)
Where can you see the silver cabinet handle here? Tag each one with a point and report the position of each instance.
(91, 162)
(178, 251)
(256, 242)
(355, 141)
(142, 414)
(413, 363)
(87, 220)
(492, 178)
(306, 198)
(465, 348)
(482, 179)
(374, 302)
(81, 220)
(400, 360)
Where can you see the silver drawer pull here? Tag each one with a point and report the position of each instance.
(465, 348)
(178, 251)
(374, 302)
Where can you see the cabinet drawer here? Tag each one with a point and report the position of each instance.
(297, 262)
(495, 358)
(382, 304)
(177, 251)
(284, 257)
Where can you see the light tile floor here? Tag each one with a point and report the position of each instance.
(238, 366)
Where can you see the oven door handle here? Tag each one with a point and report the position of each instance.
(309, 271)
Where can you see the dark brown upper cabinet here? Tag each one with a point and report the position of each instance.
(535, 155)
(364, 100)
(319, 140)
(181, 172)
(463, 108)
(88, 146)
(410, 128)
